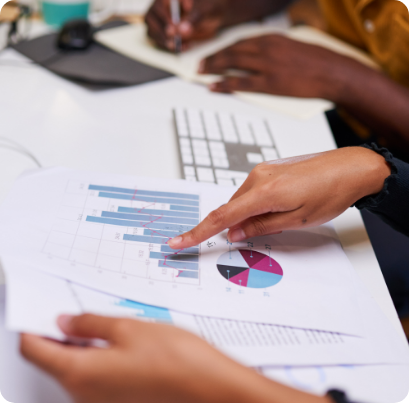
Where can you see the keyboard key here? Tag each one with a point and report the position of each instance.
(211, 125)
(254, 158)
(243, 128)
(199, 143)
(196, 132)
(217, 145)
(218, 154)
(205, 175)
(224, 174)
(228, 129)
(225, 182)
(191, 178)
(189, 171)
(184, 142)
(187, 159)
(220, 162)
(204, 161)
(186, 150)
(261, 134)
(201, 152)
(269, 154)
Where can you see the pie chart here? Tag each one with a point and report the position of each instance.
(249, 268)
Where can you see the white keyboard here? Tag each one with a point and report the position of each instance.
(220, 147)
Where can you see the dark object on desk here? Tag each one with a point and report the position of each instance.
(75, 35)
(96, 68)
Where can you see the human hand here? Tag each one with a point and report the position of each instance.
(199, 20)
(293, 193)
(146, 363)
(282, 66)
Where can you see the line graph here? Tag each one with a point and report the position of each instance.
(126, 230)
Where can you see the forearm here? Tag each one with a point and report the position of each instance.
(375, 100)
(238, 11)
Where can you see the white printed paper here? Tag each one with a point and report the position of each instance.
(110, 233)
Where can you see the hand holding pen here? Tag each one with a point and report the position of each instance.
(175, 24)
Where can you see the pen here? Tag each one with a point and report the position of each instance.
(175, 13)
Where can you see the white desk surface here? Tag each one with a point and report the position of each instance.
(130, 131)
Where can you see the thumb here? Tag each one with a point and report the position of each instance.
(88, 326)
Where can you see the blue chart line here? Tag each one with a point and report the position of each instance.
(143, 192)
(188, 274)
(140, 224)
(179, 265)
(184, 208)
(146, 311)
(142, 217)
(170, 234)
(167, 213)
(180, 257)
(178, 213)
(145, 239)
(166, 248)
(183, 202)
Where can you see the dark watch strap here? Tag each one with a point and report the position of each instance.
(338, 396)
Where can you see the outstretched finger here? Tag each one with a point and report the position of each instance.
(218, 220)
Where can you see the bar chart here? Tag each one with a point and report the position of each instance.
(126, 230)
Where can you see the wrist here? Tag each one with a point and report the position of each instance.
(375, 170)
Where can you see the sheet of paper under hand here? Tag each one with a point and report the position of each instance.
(35, 299)
(133, 42)
(110, 232)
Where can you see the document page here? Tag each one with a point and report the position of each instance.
(133, 42)
(110, 232)
(35, 299)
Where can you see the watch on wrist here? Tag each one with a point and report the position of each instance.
(338, 396)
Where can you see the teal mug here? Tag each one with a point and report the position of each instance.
(57, 12)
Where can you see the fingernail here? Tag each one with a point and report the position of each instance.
(236, 235)
(64, 322)
(175, 242)
(185, 27)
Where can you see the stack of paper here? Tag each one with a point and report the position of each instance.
(73, 242)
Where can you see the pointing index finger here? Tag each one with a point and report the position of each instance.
(226, 216)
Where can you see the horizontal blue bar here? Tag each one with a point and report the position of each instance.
(145, 239)
(167, 248)
(188, 274)
(179, 265)
(183, 208)
(147, 311)
(168, 213)
(180, 229)
(142, 217)
(148, 199)
(151, 232)
(180, 257)
(143, 192)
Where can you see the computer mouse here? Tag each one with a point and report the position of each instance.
(75, 35)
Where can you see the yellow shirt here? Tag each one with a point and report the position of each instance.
(381, 27)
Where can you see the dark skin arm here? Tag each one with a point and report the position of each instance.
(281, 66)
(202, 19)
